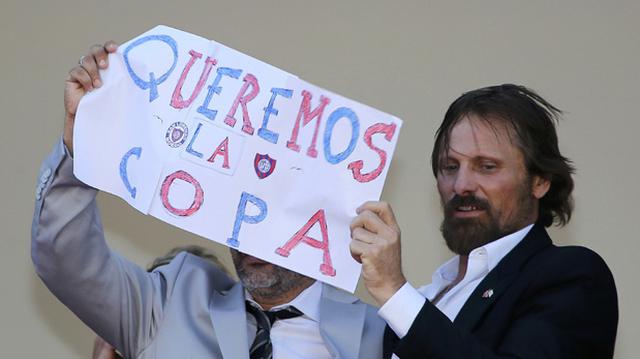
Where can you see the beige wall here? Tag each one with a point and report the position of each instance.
(407, 58)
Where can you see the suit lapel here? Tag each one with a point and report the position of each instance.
(341, 322)
(229, 319)
(499, 279)
(490, 289)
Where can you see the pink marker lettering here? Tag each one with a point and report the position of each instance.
(326, 267)
(242, 99)
(198, 198)
(176, 98)
(222, 150)
(356, 166)
(306, 115)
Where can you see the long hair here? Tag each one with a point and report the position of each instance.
(532, 119)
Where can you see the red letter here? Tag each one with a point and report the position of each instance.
(176, 99)
(197, 199)
(307, 116)
(356, 166)
(223, 150)
(242, 99)
(325, 268)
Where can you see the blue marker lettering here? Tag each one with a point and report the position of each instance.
(153, 83)
(189, 148)
(215, 89)
(241, 216)
(136, 151)
(270, 110)
(355, 130)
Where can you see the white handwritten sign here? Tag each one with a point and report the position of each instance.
(233, 149)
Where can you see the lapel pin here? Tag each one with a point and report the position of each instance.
(487, 293)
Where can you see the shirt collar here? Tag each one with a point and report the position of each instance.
(497, 250)
(494, 252)
(308, 301)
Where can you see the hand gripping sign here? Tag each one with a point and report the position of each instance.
(233, 149)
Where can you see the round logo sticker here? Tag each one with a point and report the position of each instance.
(264, 165)
(176, 134)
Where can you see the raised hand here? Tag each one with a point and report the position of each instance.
(375, 242)
(83, 78)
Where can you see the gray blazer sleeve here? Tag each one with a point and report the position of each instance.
(120, 301)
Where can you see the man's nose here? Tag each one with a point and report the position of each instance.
(464, 182)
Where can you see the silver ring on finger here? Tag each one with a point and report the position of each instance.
(81, 60)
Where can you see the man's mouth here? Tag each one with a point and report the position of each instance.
(468, 211)
(466, 207)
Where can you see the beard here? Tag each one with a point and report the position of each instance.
(268, 280)
(463, 235)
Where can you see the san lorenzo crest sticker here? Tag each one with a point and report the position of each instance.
(264, 165)
(176, 134)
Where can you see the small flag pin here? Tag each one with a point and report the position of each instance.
(487, 293)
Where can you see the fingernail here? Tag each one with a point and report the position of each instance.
(103, 63)
(97, 83)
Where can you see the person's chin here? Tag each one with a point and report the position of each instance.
(465, 222)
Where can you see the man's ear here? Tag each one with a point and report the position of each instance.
(540, 186)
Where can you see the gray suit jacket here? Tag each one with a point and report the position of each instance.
(186, 309)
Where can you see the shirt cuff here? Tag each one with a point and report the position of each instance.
(402, 309)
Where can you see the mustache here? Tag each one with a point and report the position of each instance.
(470, 200)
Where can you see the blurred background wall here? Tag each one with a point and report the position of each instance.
(408, 58)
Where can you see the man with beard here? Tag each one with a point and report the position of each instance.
(187, 308)
(509, 292)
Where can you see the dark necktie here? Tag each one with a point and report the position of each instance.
(261, 347)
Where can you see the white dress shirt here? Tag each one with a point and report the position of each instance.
(297, 337)
(403, 307)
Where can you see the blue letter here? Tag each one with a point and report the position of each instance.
(214, 88)
(152, 84)
(241, 216)
(193, 139)
(355, 130)
(268, 111)
(136, 151)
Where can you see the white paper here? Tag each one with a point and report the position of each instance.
(215, 142)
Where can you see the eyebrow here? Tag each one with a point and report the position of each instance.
(487, 158)
(479, 158)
